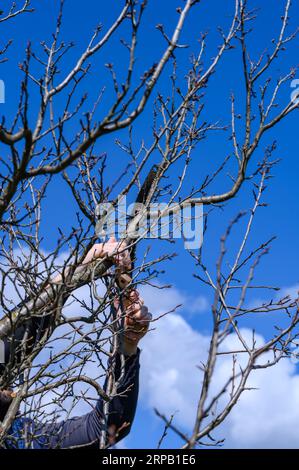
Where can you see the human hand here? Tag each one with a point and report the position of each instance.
(111, 249)
(136, 321)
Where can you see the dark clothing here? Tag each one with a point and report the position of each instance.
(86, 430)
(14, 347)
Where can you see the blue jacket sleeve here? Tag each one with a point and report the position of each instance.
(86, 430)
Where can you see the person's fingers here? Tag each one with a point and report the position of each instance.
(138, 325)
(115, 249)
(131, 298)
(146, 316)
(140, 320)
(97, 250)
(93, 253)
(135, 310)
(110, 248)
(122, 257)
(135, 297)
(134, 307)
(137, 331)
(134, 294)
(134, 313)
(123, 260)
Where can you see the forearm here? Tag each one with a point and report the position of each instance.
(60, 286)
(87, 430)
(21, 341)
(19, 322)
(122, 407)
(30, 330)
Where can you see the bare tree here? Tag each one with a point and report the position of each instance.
(61, 141)
(228, 311)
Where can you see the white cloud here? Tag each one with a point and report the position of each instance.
(291, 291)
(171, 380)
(267, 417)
(288, 291)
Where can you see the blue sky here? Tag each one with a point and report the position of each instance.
(280, 218)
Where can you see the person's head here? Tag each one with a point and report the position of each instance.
(5, 401)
